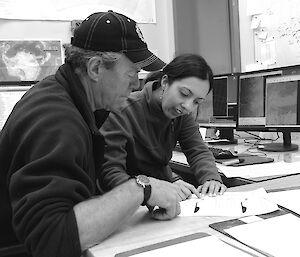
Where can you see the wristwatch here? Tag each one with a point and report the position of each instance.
(144, 182)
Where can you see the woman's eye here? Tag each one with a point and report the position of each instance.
(184, 93)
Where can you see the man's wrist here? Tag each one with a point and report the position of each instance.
(138, 191)
(144, 182)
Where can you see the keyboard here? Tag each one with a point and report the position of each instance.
(219, 153)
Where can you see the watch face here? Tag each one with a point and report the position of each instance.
(142, 180)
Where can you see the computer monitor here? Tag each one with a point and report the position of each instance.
(220, 97)
(219, 109)
(268, 101)
(9, 96)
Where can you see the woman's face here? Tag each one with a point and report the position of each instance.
(183, 96)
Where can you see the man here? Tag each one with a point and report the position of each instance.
(51, 148)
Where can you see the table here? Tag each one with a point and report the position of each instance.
(179, 163)
(140, 230)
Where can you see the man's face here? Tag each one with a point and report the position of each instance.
(118, 82)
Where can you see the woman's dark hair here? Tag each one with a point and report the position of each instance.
(183, 66)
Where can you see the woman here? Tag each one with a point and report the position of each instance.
(141, 137)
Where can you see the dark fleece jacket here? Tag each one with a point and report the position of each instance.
(50, 150)
(140, 140)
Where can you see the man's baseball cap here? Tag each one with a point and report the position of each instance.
(114, 32)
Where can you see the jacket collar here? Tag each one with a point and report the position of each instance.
(71, 82)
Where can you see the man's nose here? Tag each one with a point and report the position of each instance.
(135, 84)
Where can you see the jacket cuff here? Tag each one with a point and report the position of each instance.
(175, 177)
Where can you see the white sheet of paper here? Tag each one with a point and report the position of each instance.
(261, 170)
(278, 236)
(288, 199)
(179, 157)
(255, 21)
(209, 245)
(235, 204)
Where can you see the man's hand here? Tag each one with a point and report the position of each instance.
(185, 190)
(211, 188)
(166, 196)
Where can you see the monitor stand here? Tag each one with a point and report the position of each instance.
(286, 146)
(226, 137)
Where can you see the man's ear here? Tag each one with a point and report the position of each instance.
(94, 68)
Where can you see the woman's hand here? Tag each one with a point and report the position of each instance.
(185, 190)
(211, 188)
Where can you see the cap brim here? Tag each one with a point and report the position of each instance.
(145, 60)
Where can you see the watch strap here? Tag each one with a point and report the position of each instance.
(146, 187)
(147, 194)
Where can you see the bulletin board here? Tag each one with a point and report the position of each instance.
(140, 10)
(273, 26)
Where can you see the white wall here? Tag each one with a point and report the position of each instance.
(202, 27)
(159, 36)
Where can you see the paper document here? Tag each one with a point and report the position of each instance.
(278, 236)
(234, 204)
(179, 157)
(261, 170)
(288, 199)
(197, 247)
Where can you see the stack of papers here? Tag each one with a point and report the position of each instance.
(261, 170)
(278, 236)
(288, 199)
(234, 204)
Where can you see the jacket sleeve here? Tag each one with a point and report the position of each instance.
(49, 175)
(200, 159)
(117, 135)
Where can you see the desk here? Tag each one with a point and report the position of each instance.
(179, 163)
(140, 230)
(184, 171)
(276, 184)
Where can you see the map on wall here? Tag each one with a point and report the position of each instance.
(142, 11)
(276, 26)
(29, 60)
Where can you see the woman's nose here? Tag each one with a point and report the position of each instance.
(188, 106)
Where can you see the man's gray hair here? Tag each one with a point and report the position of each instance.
(79, 57)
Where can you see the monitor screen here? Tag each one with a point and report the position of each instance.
(9, 96)
(283, 102)
(220, 93)
(220, 102)
(219, 109)
(251, 107)
(268, 101)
